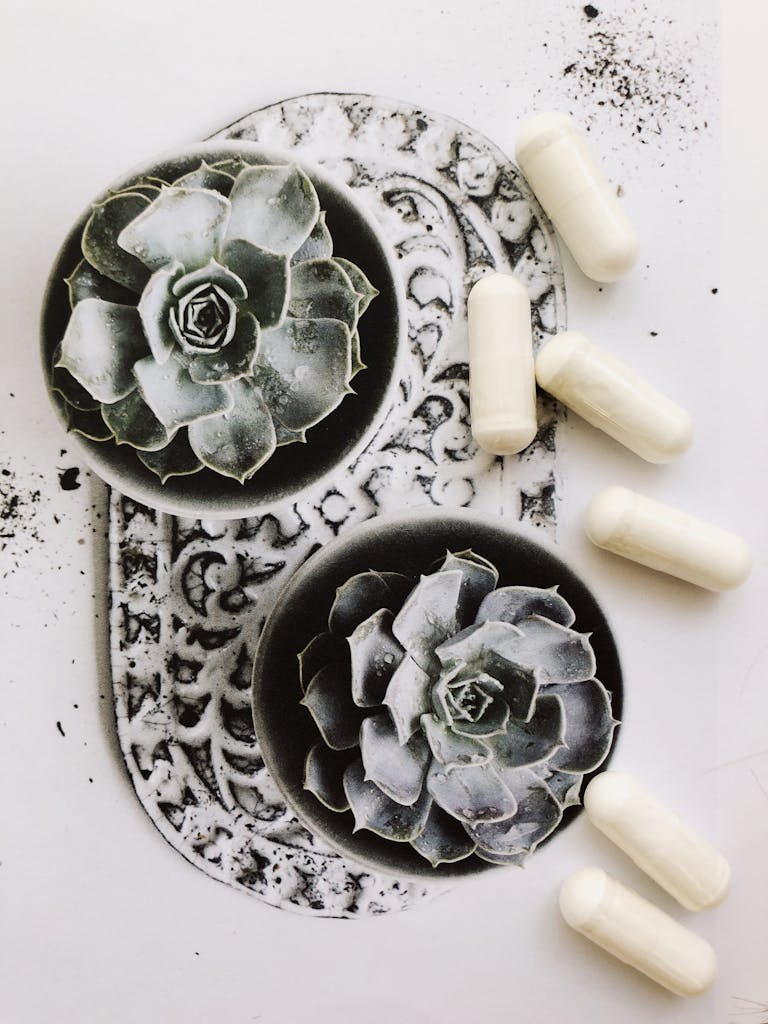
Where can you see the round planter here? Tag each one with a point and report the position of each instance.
(334, 440)
(410, 545)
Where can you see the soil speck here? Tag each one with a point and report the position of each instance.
(68, 479)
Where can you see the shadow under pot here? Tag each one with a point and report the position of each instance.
(221, 330)
(432, 693)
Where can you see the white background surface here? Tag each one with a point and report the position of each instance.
(100, 921)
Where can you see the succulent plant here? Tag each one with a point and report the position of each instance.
(210, 320)
(454, 716)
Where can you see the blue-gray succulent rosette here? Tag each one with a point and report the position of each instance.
(210, 321)
(453, 715)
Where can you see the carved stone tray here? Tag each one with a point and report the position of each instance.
(189, 598)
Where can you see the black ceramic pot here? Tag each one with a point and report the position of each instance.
(410, 545)
(332, 442)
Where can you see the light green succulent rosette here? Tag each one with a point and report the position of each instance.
(453, 715)
(210, 321)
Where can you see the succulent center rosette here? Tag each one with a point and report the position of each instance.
(454, 716)
(210, 321)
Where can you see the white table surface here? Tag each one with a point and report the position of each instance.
(100, 921)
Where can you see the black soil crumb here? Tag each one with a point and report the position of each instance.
(646, 69)
(68, 479)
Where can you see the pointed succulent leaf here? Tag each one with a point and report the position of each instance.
(265, 276)
(407, 697)
(400, 586)
(212, 273)
(133, 423)
(513, 604)
(285, 436)
(439, 698)
(87, 422)
(304, 369)
(318, 244)
(231, 166)
(444, 840)
(85, 282)
(537, 815)
(320, 651)
(560, 654)
(182, 224)
(365, 290)
(154, 309)
(101, 344)
(527, 743)
(471, 794)
(147, 184)
(207, 177)
(398, 769)
(234, 360)
(451, 749)
(71, 390)
(144, 187)
(521, 685)
(428, 617)
(100, 240)
(564, 786)
(176, 459)
(502, 860)
(375, 811)
(329, 700)
(146, 181)
(374, 654)
(273, 207)
(359, 598)
(589, 726)
(321, 290)
(241, 440)
(174, 397)
(479, 578)
(324, 776)
(357, 360)
(473, 646)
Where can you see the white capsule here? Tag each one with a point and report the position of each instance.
(612, 397)
(683, 863)
(502, 382)
(664, 538)
(577, 196)
(637, 932)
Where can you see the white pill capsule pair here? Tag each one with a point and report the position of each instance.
(502, 382)
(680, 861)
(577, 196)
(664, 538)
(636, 932)
(610, 396)
(675, 857)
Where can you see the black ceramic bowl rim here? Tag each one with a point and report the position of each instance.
(311, 589)
(292, 470)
